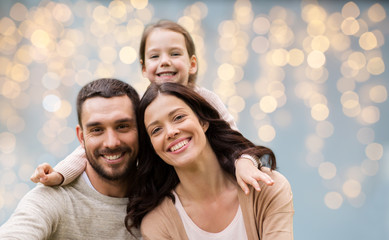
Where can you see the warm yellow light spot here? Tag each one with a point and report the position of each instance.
(22, 55)
(228, 28)
(350, 9)
(66, 48)
(18, 12)
(334, 21)
(296, 57)
(350, 26)
(320, 112)
(320, 43)
(340, 42)
(376, 66)
(347, 71)
(101, 14)
(276, 89)
(333, 200)
(378, 94)
(107, 54)
(127, 55)
(376, 13)
(261, 25)
(83, 77)
(370, 114)
(10, 89)
(356, 60)
(327, 170)
(236, 104)
(226, 71)
(352, 188)
(62, 12)
(135, 28)
(40, 38)
(243, 12)
(268, 104)
(317, 98)
(65, 110)
(374, 151)
(316, 59)
(349, 99)
(117, 9)
(260, 44)
(312, 12)
(187, 22)
(368, 41)
(352, 112)
(280, 57)
(316, 28)
(324, 129)
(7, 26)
(20, 72)
(266, 133)
(227, 43)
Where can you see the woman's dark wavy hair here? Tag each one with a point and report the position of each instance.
(155, 179)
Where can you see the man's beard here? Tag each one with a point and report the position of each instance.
(99, 168)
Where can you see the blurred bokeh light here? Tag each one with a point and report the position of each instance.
(306, 78)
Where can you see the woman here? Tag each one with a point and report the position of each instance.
(185, 186)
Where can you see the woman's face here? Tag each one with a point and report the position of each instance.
(167, 59)
(175, 131)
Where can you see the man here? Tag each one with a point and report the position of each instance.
(94, 205)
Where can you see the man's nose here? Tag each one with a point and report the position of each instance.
(111, 139)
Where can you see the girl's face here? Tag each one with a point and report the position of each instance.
(167, 59)
(175, 131)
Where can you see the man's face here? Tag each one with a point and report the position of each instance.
(109, 135)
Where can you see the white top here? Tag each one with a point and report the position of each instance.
(235, 230)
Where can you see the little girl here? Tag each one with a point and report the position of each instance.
(167, 54)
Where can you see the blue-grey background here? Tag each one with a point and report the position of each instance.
(327, 121)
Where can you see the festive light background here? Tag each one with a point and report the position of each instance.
(306, 78)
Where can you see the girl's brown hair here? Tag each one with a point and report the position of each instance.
(175, 27)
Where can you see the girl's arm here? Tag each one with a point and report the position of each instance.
(64, 172)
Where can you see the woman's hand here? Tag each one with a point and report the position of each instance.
(46, 175)
(247, 173)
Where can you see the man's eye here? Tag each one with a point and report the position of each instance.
(123, 126)
(96, 130)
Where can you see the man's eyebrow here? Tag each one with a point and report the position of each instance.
(123, 120)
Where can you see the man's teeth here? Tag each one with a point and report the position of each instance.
(112, 157)
(166, 74)
(179, 145)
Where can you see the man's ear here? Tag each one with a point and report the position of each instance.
(193, 65)
(80, 135)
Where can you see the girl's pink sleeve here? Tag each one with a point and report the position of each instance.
(72, 166)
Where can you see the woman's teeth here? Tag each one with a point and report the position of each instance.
(179, 145)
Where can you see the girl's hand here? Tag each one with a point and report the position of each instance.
(247, 173)
(46, 175)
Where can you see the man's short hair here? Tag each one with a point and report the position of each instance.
(106, 88)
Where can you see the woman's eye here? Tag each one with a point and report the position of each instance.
(176, 54)
(153, 56)
(154, 131)
(179, 117)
